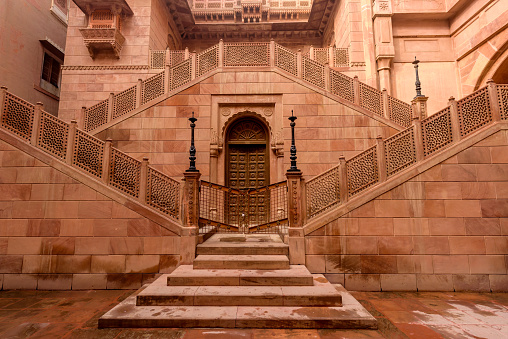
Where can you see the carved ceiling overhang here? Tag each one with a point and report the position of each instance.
(87, 6)
(313, 28)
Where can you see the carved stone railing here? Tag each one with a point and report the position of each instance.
(406, 149)
(158, 59)
(93, 156)
(333, 56)
(323, 192)
(182, 67)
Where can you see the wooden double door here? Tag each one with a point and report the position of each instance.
(247, 168)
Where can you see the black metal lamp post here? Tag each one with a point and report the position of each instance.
(292, 150)
(417, 83)
(192, 150)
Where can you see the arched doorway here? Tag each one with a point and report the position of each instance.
(247, 159)
(247, 167)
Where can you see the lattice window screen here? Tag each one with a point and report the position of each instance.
(286, 60)
(313, 72)
(53, 135)
(400, 112)
(97, 115)
(88, 153)
(341, 85)
(341, 57)
(163, 193)
(207, 60)
(362, 171)
(18, 116)
(474, 111)
(180, 74)
(323, 192)
(157, 59)
(152, 88)
(400, 151)
(437, 131)
(371, 99)
(502, 95)
(124, 102)
(247, 54)
(124, 173)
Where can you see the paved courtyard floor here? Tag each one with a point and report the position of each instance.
(74, 314)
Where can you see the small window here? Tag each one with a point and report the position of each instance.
(51, 70)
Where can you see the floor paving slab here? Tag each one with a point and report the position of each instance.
(86, 326)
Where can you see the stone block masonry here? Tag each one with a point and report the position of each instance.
(58, 233)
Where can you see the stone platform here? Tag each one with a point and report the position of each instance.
(241, 282)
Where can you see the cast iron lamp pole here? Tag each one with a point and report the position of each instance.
(192, 150)
(292, 150)
(417, 83)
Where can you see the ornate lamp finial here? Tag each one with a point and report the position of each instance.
(192, 150)
(292, 150)
(417, 83)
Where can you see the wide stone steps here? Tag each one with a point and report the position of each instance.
(246, 262)
(185, 275)
(321, 293)
(350, 315)
(240, 281)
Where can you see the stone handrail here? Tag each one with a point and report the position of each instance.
(182, 67)
(407, 148)
(65, 142)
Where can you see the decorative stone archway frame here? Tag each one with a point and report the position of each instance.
(228, 108)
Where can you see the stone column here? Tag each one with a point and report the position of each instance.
(383, 69)
(383, 38)
(295, 215)
(190, 206)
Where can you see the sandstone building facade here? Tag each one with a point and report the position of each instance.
(393, 192)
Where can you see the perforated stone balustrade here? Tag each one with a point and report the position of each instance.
(97, 158)
(405, 149)
(182, 67)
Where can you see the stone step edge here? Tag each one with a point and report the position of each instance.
(212, 250)
(185, 275)
(321, 293)
(249, 262)
(127, 315)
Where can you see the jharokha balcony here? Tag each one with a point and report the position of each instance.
(103, 32)
(103, 39)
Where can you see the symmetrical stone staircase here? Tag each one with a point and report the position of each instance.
(242, 281)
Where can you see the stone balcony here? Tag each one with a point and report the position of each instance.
(103, 40)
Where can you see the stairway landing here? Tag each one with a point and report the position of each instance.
(240, 281)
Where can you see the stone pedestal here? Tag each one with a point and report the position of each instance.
(190, 207)
(296, 236)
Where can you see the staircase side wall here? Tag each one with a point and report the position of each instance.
(444, 230)
(57, 233)
(325, 129)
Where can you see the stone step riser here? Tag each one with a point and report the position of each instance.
(242, 250)
(236, 281)
(222, 300)
(243, 265)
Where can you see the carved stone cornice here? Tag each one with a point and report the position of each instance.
(105, 68)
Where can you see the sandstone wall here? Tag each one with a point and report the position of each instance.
(324, 130)
(86, 81)
(57, 233)
(446, 229)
